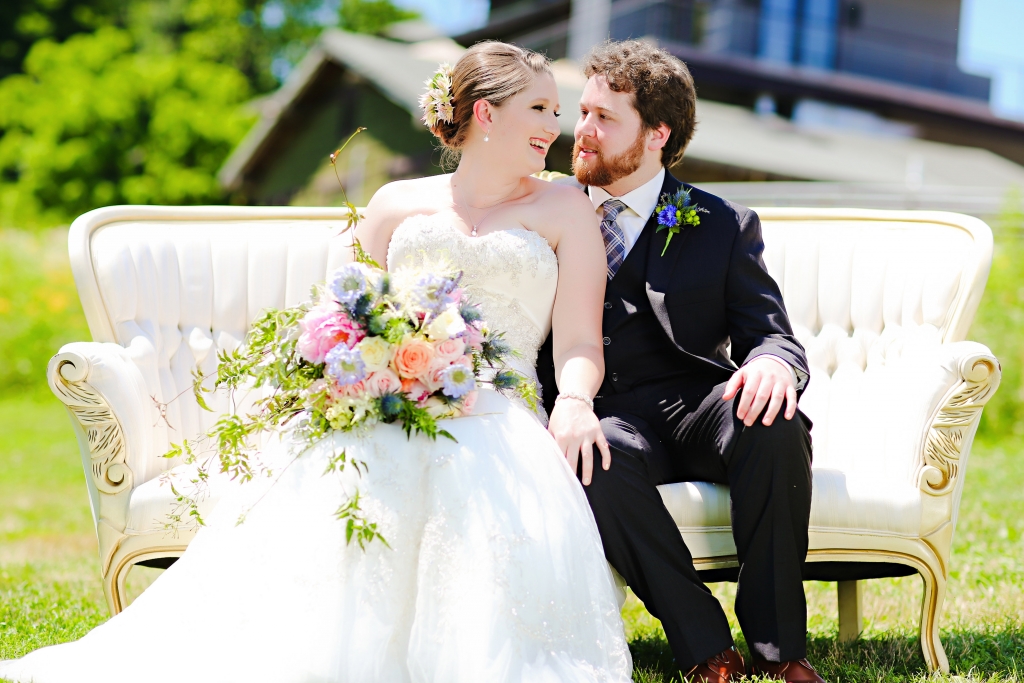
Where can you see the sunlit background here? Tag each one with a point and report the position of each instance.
(903, 104)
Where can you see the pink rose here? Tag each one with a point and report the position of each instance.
(464, 360)
(468, 401)
(353, 390)
(383, 382)
(474, 337)
(413, 357)
(415, 390)
(450, 349)
(432, 378)
(323, 328)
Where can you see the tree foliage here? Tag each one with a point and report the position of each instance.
(371, 16)
(93, 122)
(140, 101)
(23, 22)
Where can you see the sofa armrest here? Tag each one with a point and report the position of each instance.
(974, 377)
(111, 411)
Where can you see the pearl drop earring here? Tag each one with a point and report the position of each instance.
(487, 136)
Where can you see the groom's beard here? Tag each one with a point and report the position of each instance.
(604, 171)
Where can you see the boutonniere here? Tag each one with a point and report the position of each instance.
(675, 211)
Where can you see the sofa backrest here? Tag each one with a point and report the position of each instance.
(175, 285)
(871, 295)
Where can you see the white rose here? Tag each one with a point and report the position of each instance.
(437, 408)
(445, 326)
(376, 353)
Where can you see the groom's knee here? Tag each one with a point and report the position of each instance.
(624, 436)
(633, 455)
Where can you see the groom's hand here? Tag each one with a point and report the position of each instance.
(577, 430)
(765, 382)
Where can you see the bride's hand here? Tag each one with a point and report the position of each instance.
(577, 430)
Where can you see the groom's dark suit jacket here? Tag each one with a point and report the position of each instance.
(675, 327)
(700, 310)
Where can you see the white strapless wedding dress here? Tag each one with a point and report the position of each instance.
(495, 570)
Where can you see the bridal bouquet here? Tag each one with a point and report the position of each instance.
(378, 347)
(371, 347)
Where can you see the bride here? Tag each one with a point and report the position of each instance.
(493, 568)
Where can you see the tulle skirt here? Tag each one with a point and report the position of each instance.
(493, 571)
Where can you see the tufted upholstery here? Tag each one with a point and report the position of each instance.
(881, 301)
(176, 295)
(872, 302)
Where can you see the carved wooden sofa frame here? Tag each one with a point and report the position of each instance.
(84, 375)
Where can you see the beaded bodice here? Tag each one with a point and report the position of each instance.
(511, 274)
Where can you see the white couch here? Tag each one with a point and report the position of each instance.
(881, 300)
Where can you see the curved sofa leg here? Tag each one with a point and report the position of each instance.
(113, 590)
(931, 607)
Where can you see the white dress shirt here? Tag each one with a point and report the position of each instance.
(640, 204)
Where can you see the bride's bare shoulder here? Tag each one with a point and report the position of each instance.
(397, 200)
(563, 203)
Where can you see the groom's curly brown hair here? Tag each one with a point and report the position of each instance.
(662, 88)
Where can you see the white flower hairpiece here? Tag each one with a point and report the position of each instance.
(437, 102)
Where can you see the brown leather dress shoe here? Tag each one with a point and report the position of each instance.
(724, 667)
(796, 671)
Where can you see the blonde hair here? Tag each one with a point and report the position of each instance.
(492, 71)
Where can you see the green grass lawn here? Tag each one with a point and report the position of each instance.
(50, 590)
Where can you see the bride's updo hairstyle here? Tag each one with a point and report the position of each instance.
(492, 71)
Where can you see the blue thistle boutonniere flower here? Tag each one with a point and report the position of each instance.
(674, 212)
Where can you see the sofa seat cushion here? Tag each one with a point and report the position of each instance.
(152, 503)
(837, 503)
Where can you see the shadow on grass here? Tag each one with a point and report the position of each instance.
(993, 655)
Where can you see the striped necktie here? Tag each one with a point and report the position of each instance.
(614, 239)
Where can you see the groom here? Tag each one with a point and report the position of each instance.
(702, 374)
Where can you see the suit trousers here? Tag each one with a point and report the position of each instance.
(684, 431)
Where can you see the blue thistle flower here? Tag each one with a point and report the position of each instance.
(391, 406)
(506, 379)
(470, 313)
(495, 348)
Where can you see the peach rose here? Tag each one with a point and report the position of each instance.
(450, 349)
(413, 357)
(383, 382)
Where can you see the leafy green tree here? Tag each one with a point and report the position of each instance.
(145, 108)
(91, 122)
(371, 16)
(23, 22)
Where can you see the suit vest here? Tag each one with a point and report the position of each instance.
(636, 348)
